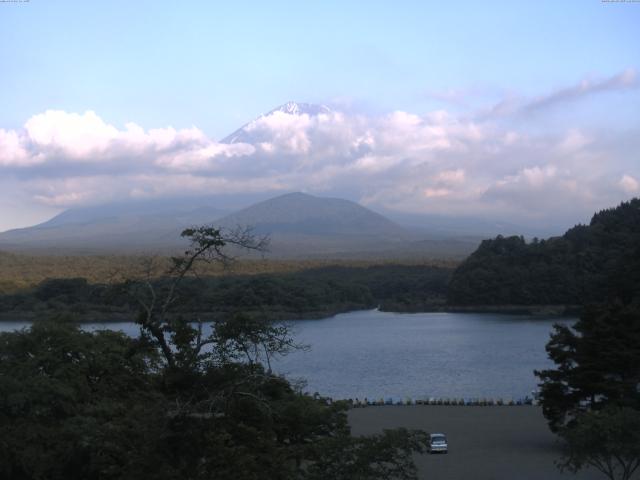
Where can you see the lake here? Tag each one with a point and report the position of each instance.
(377, 354)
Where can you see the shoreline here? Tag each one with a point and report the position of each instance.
(95, 316)
(534, 310)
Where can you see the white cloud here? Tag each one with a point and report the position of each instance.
(516, 105)
(286, 131)
(205, 158)
(536, 176)
(12, 152)
(436, 192)
(574, 140)
(436, 162)
(93, 189)
(451, 177)
(74, 135)
(624, 80)
(629, 184)
(58, 137)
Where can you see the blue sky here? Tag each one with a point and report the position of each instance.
(217, 65)
(214, 64)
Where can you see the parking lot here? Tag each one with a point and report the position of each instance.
(484, 442)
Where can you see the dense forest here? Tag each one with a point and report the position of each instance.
(307, 293)
(585, 265)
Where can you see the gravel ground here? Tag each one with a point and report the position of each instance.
(484, 442)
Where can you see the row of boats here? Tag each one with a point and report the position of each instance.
(476, 402)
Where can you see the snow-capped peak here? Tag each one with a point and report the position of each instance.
(290, 108)
(294, 108)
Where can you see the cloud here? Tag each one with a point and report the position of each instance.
(573, 141)
(205, 158)
(629, 184)
(451, 177)
(63, 139)
(435, 162)
(78, 191)
(625, 80)
(81, 137)
(283, 132)
(12, 151)
(515, 105)
(538, 190)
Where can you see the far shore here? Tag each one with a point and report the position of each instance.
(485, 443)
(541, 310)
(94, 316)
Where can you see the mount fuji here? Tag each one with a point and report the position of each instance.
(300, 225)
(245, 135)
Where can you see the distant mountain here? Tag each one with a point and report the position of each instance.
(468, 226)
(245, 135)
(299, 226)
(300, 213)
(133, 226)
(302, 225)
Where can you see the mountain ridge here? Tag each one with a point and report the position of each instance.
(299, 209)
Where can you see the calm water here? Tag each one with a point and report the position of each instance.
(375, 354)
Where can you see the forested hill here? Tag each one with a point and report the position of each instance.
(587, 264)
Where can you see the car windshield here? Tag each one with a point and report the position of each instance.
(438, 439)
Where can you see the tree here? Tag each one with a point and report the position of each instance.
(589, 263)
(607, 439)
(598, 363)
(157, 300)
(592, 398)
(76, 405)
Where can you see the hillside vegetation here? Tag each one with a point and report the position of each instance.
(19, 271)
(585, 265)
(301, 293)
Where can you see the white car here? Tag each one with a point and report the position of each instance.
(438, 443)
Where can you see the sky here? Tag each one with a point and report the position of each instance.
(519, 111)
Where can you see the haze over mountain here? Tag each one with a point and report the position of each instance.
(131, 226)
(305, 225)
(299, 225)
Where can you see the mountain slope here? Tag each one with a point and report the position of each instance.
(245, 135)
(299, 226)
(305, 214)
(135, 226)
(302, 225)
